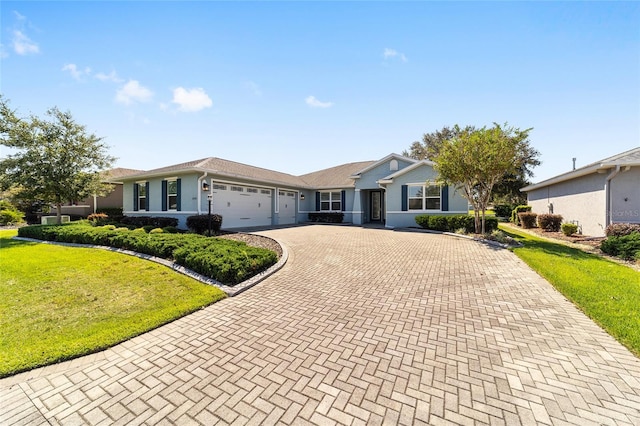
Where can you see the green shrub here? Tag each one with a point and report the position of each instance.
(453, 223)
(503, 210)
(138, 230)
(326, 217)
(170, 229)
(620, 229)
(569, 229)
(550, 222)
(98, 219)
(148, 228)
(200, 223)
(227, 261)
(156, 231)
(527, 219)
(519, 209)
(154, 222)
(625, 246)
(114, 213)
(10, 217)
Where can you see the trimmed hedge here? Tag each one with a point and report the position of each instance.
(519, 209)
(620, 229)
(527, 220)
(154, 222)
(569, 229)
(226, 261)
(115, 213)
(503, 210)
(328, 217)
(452, 223)
(550, 222)
(625, 246)
(200, 223)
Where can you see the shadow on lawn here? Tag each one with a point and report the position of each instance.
(551, 248)
(6, 242)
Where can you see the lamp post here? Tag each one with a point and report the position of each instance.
(209, 199)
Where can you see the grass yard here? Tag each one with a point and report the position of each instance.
(58, 303)
(609, 293)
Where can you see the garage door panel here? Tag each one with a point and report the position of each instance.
(242, 206)
(287, 204)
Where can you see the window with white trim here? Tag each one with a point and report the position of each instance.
(172, 194)
(424, 197)
(331, 201)
(142, 196)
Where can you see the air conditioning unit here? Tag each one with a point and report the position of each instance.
(53, 220)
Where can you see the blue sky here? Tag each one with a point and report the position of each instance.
(301, 86)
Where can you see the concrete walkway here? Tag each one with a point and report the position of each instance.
(362, 326)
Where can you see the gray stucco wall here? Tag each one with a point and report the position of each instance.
(370, 178)
(581, 200)
(625, 196)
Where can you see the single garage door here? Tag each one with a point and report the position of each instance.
(242, 206)
(287, 202)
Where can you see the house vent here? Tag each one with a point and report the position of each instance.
(393, 165)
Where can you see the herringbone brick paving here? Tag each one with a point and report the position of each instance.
(362, 326)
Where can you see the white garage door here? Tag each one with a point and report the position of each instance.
(287, 202)
(242, 206)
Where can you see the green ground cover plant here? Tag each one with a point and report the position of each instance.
(58, 302)
(227, 261)
(609, 293)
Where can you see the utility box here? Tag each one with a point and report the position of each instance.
(53, 220)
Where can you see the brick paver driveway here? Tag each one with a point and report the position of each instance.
(362, 326)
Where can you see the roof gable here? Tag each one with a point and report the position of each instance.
(375, 164)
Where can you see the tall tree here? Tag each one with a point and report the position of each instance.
(475, 160)
(53, 160)
(507, 188)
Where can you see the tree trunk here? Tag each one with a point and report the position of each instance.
(59, 213)
(476, 215)
(483, 220)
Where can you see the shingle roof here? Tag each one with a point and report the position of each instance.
(119, 172)
(335, 177)
(627, 158)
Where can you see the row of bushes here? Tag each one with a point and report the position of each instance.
(454, 223)
(326, 217)
(547, 222)
(226, 261)
(621, 229)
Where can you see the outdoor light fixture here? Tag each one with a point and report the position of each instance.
(302, 197)
(205, 186)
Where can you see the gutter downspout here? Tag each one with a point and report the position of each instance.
(200, 179)
(607, 190)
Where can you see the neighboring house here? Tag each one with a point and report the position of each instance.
(390, 191)
(112, 200)
(593, 196)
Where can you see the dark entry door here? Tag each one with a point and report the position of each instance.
(376, 205)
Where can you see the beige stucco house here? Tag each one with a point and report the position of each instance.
(593, 196)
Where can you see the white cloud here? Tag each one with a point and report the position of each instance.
(23, 45)
(133, 92)
(191, 100)
(392, 53)
(112, 76)
(253, 87)
(315, 103)
(75, 72)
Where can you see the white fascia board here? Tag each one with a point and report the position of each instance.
(382, 161)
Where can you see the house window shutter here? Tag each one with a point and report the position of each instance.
(135, 197)
(179, 191)
(317, 201)
(343, 199)
(148, 196)
(444, 201)
(405, 198)
(164, 195)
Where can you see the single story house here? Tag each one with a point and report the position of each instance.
(593, 196)
(390, 191)
(92, 203)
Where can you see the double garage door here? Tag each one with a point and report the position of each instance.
(242, 206)
(245, 206)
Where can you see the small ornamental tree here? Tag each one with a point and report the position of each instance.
(54, 161)
(475, 160)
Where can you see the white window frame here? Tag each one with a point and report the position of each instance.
(169, 194)
(424, 197)
(331, 202)
(142, 188)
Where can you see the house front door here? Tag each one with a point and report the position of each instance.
(376, 206)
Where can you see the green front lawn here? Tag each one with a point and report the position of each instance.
(609, 293)
(58, 303)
